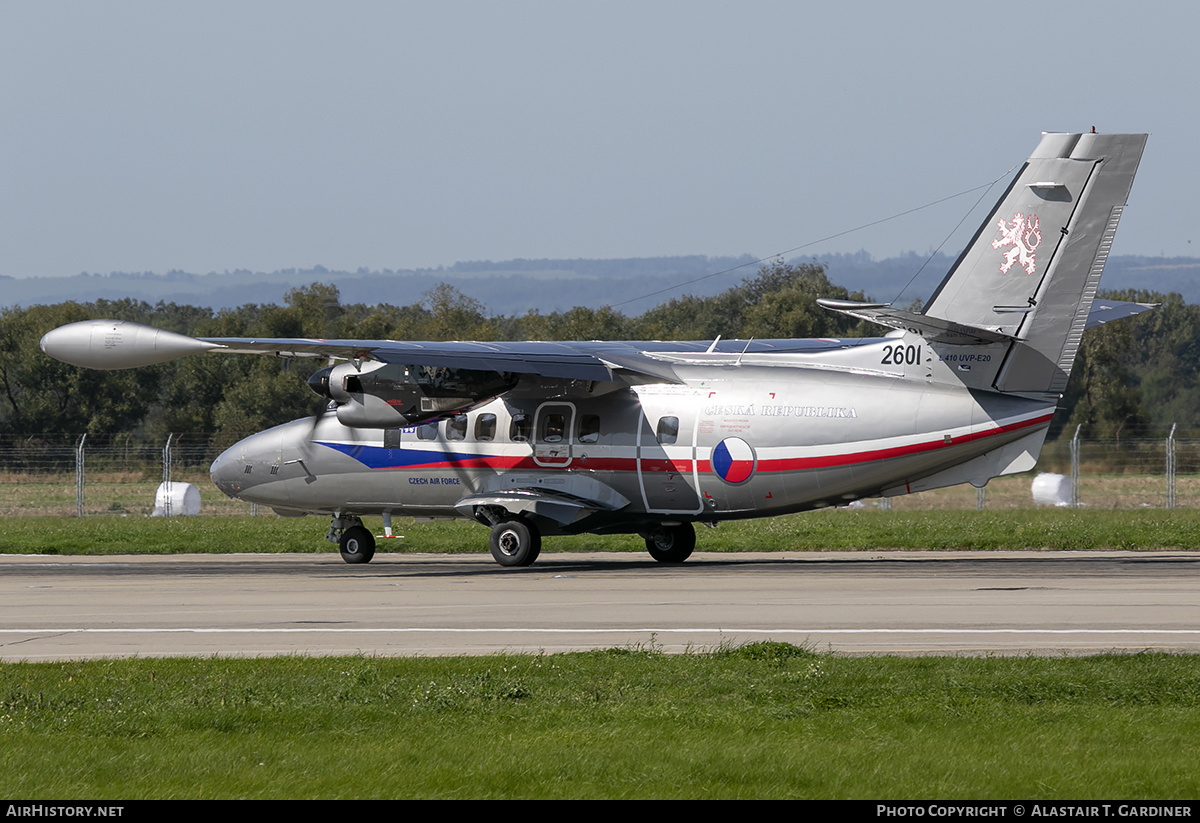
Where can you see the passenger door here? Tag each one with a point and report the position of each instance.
(553, 424)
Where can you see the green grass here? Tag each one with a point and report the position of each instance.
(131, 492)
(114, 494)
(765, 720)
(856, 530)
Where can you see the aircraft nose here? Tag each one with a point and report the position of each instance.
(253, 469)
(247, 463)
(226, 471)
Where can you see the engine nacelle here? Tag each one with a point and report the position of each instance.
(386, 395)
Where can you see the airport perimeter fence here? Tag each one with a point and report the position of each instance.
(119, 475)
(87, 474)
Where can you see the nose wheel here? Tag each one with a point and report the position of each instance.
(357, 545)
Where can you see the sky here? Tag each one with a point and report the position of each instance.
(216, 136)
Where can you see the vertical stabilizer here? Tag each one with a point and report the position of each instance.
(1032, 270)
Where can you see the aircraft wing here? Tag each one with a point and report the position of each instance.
(635, 361)
(115, 344)
(544, 359)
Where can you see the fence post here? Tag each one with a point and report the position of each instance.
(166, 474)
(1171, 468)
(1075, 468)
(79, 475)
(980, 498)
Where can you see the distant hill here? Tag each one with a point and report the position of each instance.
(884, 279)
(517, 286)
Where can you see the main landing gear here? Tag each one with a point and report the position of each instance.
(515, 542)
(671, 544)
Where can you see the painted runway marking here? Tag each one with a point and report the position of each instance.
(722, 630)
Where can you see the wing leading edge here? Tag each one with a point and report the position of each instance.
(118, 344)
(598, 361)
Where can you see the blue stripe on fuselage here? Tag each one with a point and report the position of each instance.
(378, 457)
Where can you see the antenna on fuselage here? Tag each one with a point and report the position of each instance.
(713, 347)
(748, 342)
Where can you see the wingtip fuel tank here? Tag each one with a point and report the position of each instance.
(118, 344)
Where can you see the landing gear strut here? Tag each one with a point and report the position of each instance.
(515, 543)
(671, 544)
(356, 544)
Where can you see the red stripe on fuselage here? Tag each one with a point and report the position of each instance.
(684, 465)
(827, 461)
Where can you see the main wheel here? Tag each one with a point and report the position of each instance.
(357, 545)
(671, 544)
(515, 543)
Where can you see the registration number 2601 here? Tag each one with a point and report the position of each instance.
(901, 355)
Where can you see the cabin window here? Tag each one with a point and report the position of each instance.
(554, 427)
(456, 427)
(427, 431)
(589, 428)
(668, 430)
(485, 427)
(520, 428)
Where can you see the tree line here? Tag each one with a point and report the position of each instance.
(1131, 377)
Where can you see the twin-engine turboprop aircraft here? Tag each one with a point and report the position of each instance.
(650, 438)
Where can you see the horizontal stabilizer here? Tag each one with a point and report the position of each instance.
(1104, 311)
(947, 331)
(931, 328)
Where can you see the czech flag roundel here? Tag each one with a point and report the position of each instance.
(733, 460)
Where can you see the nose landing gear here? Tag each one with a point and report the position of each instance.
(355, 543)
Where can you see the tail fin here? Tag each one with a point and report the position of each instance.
(1032, 269)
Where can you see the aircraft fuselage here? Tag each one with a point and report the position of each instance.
(739, 437)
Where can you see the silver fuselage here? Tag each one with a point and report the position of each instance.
(740, 436)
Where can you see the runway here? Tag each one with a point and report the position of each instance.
(54, 608)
